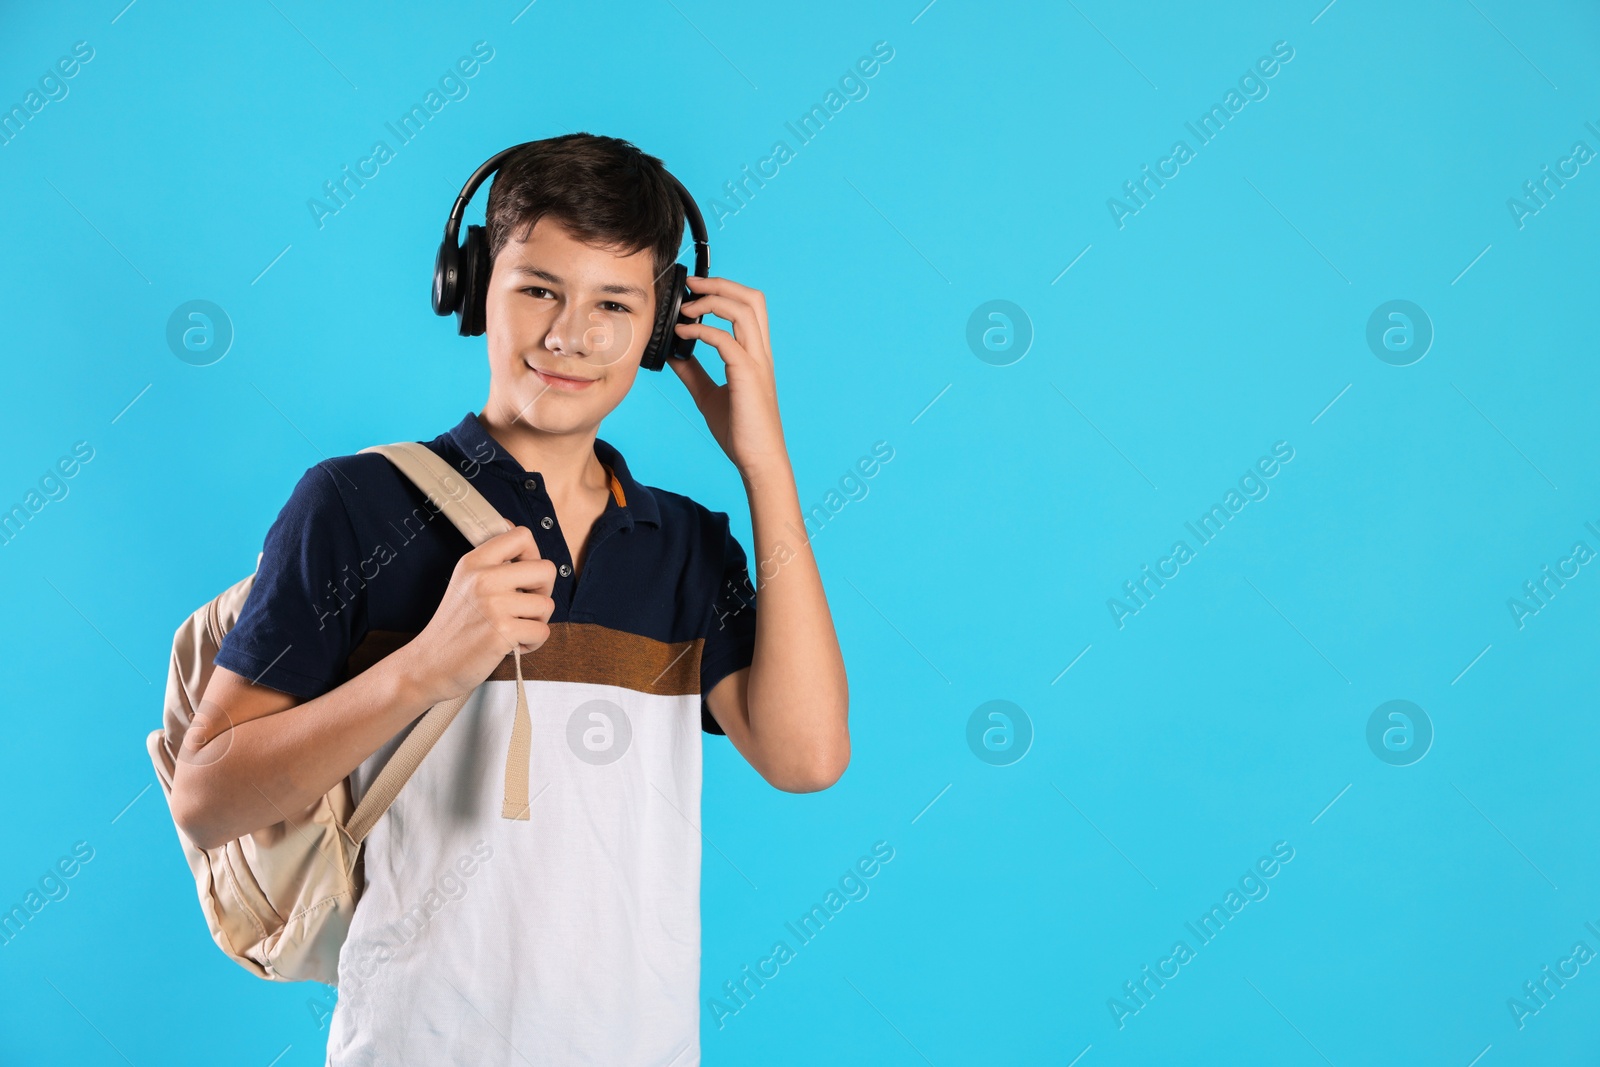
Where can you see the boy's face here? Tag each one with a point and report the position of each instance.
(566, 326)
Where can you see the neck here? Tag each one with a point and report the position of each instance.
(565, 460)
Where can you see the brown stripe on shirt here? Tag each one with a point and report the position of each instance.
(577, 652)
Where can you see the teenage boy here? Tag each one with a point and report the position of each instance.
(561, 926)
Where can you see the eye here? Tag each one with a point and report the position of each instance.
(535, 291)
(612, 305)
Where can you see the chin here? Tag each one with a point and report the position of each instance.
(558, 418)
(553, 412)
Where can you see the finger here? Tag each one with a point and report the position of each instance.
(727, 347)
(695, 379)
(722, 287)
(726, 287)
(746, 328)
(532, 606)
(530, 575)
(515, 543)
(535, 632)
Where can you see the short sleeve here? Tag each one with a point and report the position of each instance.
(730, 637)
(307, 606)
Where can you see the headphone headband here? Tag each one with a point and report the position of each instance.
(697, 228)
(461, 269)
(452, 226)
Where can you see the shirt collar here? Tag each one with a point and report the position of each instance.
(476, 445)
(636, 498)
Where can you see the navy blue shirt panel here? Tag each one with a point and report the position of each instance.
(286, 637)
(730, 635)
(358, 548)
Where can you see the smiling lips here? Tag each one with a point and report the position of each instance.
(561, 382)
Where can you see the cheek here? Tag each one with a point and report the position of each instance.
(621, 378)
(503, 343)
(513, 327)
(620, 345)
(500, 323)
(633, 336)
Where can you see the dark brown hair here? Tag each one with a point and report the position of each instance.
(603, 189)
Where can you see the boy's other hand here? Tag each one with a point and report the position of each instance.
(499, 597)
(743, 414)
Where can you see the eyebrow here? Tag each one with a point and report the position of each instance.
(611, 287)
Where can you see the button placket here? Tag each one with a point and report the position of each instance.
(556, 551)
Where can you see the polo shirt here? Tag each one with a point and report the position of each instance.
(571, 936)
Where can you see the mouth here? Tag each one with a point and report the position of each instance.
(562, 382)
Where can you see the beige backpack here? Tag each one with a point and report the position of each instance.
(279, 901)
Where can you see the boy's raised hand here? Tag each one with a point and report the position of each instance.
(743, 414)
(499, 596)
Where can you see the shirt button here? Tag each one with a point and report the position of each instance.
(547, 522)
(530, 484)
(564, 570)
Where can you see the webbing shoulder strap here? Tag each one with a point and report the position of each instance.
(478, 521)
(398, 770)
(452, 494)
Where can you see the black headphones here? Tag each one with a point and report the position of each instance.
(461, 272)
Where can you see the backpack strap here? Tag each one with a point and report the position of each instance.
(478, 521)
(398, 770)
(463, 505)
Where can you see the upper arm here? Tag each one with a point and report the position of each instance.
(729, 705)
(231, 699)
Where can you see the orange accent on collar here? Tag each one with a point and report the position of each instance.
(616, 487)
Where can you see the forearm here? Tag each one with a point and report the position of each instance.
(798, 696)
(275, 767)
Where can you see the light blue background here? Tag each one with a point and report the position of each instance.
(1224, 317)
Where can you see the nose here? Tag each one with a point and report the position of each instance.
(593, 336)
(570, 333)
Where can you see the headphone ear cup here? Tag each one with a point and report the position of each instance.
(446, 277)
(661, 339)
(473, 306)
(683, 347)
